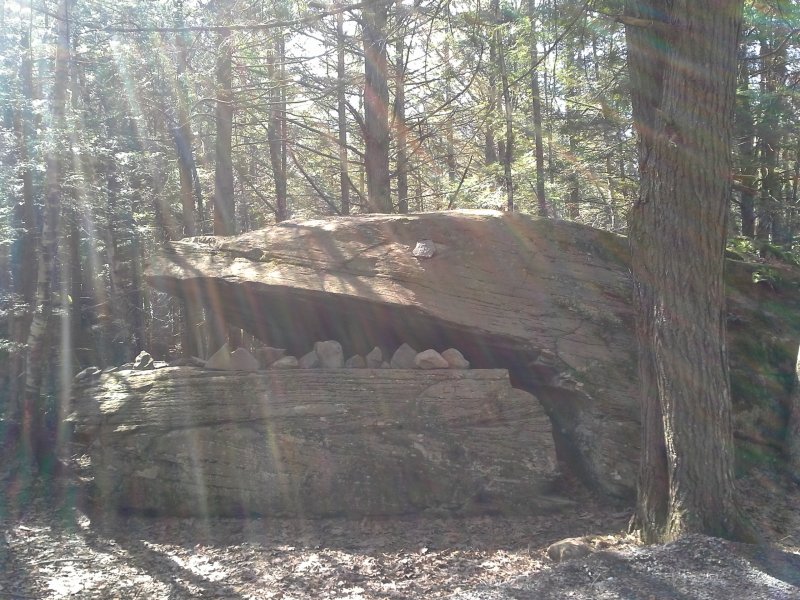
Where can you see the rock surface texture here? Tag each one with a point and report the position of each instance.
(186, 441)
(547, 300)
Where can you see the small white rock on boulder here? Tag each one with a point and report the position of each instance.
(143, 362)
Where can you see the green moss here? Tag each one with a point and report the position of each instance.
(751, 456)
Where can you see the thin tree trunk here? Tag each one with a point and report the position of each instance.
(792, 445)
(376, 107)
(341, 106)
(224, 215)
(683, 89)
(508, 115)
(745, 138)
(224, 221)
(191, 314)
(536, 101)
(276, 128)
(771, 201)
(400, 122)
(23, 264)
(34, 436)
(116, 332)
(490, 144)
(182, 133)
(452, 168)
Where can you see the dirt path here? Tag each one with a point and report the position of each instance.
(47, 554)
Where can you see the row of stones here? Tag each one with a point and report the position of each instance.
(325, 355)
(329, 355)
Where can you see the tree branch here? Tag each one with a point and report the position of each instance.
(274, 24)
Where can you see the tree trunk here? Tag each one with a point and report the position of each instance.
(745, 139)
(508, 116)
(191, 313)
(182, 133)
(224, 215)
(771, 207)
(23, 249)
(490, 144)
(224, 222)
(536, 100)
(376, 107)
(683, 75)
(793, 429)
(449, 135)
(276, 128)
(400, 122)
(341, 107)
(34, 436)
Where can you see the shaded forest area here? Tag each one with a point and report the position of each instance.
(129, 124)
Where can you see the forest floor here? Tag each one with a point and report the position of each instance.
(48, 553)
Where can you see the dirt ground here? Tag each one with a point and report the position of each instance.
(50, 553)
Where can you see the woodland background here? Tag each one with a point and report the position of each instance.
(126, 124)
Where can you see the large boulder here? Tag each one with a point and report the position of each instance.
(548, 300)
(185, 441)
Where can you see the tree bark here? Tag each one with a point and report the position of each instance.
(400, 122)
(224, 208)
(376, 107)
(23, 250)
(490, 144)
(508, 117)
(341, 107)
(224, 223)
(771, 209)
(792, 445)
(745, 140)
(536, 111)
(34, 436)
(182, 133)
(276, 128)
(683, 82)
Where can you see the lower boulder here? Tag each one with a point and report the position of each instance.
(186, 441)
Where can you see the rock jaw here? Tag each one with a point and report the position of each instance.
(546, 300)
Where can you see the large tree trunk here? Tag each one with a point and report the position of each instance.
(683, 71)
(34, 439)
(376, 107)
